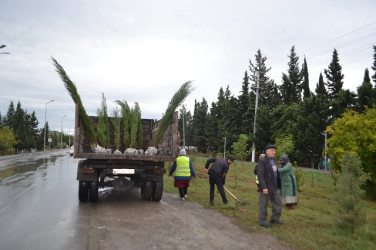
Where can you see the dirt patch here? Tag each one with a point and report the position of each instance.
(120, 220)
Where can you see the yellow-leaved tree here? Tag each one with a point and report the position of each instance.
(355, 132)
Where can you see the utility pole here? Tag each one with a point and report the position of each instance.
(45, 121)
(62, 133)
(326, 137)
(254, 121)
(183, 127)
(224, 149)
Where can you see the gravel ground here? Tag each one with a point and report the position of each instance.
(123, 221)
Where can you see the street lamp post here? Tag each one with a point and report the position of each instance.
(45, 121)
(3, 46)
(61, 134)
(69, 137)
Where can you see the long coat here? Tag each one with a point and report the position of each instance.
(288, 182)
(266, 176)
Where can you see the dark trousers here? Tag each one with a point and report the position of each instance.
(263, 206)
(216, 180)
(183, 191)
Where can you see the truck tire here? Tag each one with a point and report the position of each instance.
(157, 190)
(147, 190)
(83, 191)
(93, 191)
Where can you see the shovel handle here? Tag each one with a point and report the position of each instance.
(231, 194)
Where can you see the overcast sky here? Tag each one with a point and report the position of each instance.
(142, 51)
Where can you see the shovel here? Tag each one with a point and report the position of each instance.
(231, 194)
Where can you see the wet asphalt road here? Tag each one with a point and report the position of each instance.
(39, 208)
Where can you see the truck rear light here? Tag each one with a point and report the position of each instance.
(159, 171)
(87, 171)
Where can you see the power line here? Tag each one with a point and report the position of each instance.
(325, 51)
(346, 34)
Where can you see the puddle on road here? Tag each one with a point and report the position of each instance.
(30, 165)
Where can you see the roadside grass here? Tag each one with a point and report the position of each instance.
(309, 226)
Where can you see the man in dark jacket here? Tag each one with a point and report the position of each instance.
(270, 184)
(217, 175)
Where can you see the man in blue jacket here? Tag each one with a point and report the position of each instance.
(270, 184)
(217, 175)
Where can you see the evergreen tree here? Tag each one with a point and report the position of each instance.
(23, 125)
(19, 117)
(291, 87)
(116, 124)
(47, 128)
(199, 125)
(223, 120)
(135, 122)
(233, 121)
(374, 64)
(320, 87)
(268, 99)
(264, 128)
(345, 100)
(321, 105)
(103, 130)
(334, 77)
(126, 121)
(1, 120)
(366, 77)
(187, 126)
(221, 109)
(309, 135)
(348, 196)
(33, 130)
(285, 121)
(19, 127)
(268, 92)
(230, 123)
(366, 93)
(244, 103)
(140, 130)
(214, 140)
(189, 130)
(305, 80)
(8, 120)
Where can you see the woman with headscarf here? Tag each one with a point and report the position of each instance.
(289, 195)
(184, 171)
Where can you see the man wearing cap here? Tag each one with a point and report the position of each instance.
(270, 184)
(184, 170)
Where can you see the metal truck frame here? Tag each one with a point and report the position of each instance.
(99, 170)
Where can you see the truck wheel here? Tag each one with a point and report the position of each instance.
(93, 191)
(147, 190)
(157, 190)
(83, 191)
